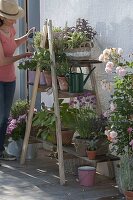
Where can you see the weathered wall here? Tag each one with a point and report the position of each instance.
(113, 21)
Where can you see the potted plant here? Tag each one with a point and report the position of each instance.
(62, 69)
(45, 119)
(16, 129)
(86, 122)
(91, 149)
(75, 41)
(41, 58)
(120, 114)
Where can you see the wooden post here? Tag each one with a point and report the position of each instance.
(95, 89)
(30, 113)
(56, 106)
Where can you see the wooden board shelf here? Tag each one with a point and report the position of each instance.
(71, 150)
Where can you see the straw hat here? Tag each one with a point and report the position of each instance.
(10, 9)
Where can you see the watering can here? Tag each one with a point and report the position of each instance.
(76, 81)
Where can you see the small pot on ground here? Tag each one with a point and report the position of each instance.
(129, 195)
(91, 154)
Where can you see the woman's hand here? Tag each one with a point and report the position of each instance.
(32, 30)
(28, 54)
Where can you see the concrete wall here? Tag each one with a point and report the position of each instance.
(113, 21)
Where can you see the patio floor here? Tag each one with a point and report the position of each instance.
(38, 179)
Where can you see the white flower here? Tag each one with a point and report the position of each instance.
(107, 132)
(113, 134)
(112, 106)
(117, 69)
(101, 58)
(106, 52)
(120, 51)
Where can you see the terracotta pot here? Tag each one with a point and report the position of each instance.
(67, 136)
(48, 78)
(129, 195)
(91, 155)
(63, 84)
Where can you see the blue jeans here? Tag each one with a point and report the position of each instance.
(7, 90)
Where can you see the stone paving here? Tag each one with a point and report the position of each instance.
(38, 179)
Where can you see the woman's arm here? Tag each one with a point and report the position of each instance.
(23, 39)
(9, 60)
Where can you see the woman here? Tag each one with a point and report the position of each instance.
(9, 13)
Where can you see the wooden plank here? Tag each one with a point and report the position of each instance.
(56, 106)
(30, 116)
(31, 111)
(95, 89)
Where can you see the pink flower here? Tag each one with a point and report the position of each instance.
(129, 130)
(109, 67)
(113, 134)
(121, 71)
(131, 143)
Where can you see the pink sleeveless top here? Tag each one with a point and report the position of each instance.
(7, 72)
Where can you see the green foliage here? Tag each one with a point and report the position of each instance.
(42, 57)
(19, 131)
(92, 144)
(20, 107)
(37, 39)
(46, 119)
(126, 173)
(86, 123)
(62, 65)
(121, 118)
(75, 39)
(29, 63)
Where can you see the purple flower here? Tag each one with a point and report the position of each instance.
(129, 130)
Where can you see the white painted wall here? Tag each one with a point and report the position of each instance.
(113, 21)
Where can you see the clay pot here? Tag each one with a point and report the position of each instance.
(91, 154)
(63, 84)
(129, 195)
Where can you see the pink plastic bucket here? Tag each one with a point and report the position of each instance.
(87, 175)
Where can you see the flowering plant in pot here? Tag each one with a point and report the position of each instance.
(86, 122)
(17, 120)
(120, 114)
(16, 127)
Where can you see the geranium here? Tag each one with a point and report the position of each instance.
(120, 113)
